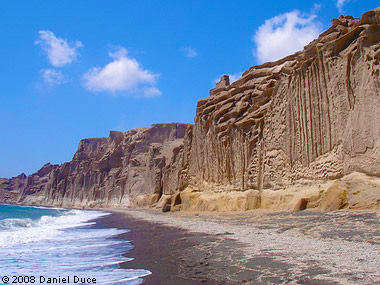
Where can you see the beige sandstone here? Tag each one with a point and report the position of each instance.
(335, 197)
(195, 200)
(310, 116)
(123, 170)
(299, 133)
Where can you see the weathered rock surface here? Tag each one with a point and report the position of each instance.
(107, 172)
(312, 115)
(269, 140)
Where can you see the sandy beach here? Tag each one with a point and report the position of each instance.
(155, 245)
(341, 247)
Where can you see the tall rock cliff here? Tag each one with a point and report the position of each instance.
(310, 117)
(105, 172)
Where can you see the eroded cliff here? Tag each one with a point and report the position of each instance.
(290, 134)
(310, 116)
(106, 172)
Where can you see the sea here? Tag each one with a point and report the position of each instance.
(39, 244)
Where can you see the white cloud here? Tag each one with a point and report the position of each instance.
(284, 34)
(151, 92)
(123, 73)
(190, 52)
(53, 77)
(339, 5)
(59, 51)
(233, 77)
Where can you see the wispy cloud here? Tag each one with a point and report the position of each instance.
(123, 73)
(52, 77)
(190, 52)
(235, 76)
(59, 51)
(339, 5)
(285, 34)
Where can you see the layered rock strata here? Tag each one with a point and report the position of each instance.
(307, 119)
(106, 172)
(310, 116)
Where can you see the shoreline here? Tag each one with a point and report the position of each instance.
(250, 247)
(154, 249)
(341, 247)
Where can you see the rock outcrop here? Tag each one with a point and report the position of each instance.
(107, 172)
(310, 116)
(307, 119)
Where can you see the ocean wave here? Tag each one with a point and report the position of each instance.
(47, 208)
(57, 243)
(17, 231)
(9, 224)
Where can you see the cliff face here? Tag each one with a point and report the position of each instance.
(106, 172)
(312, 116)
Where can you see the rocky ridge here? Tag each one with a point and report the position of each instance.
(306, 119)
(292, 134)
(124, 168)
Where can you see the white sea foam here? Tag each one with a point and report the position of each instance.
(18, 231)
(64, 245)
(47, 208)
(10, 224)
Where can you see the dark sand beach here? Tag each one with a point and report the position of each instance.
(252, 248)
(157, 249)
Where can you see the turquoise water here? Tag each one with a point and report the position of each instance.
(51, 243)
(24, 212)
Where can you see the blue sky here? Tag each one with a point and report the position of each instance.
(77, 69)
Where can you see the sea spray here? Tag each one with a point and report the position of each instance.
(49, 242)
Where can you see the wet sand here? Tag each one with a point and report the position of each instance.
(156, 248)
(340, 247)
